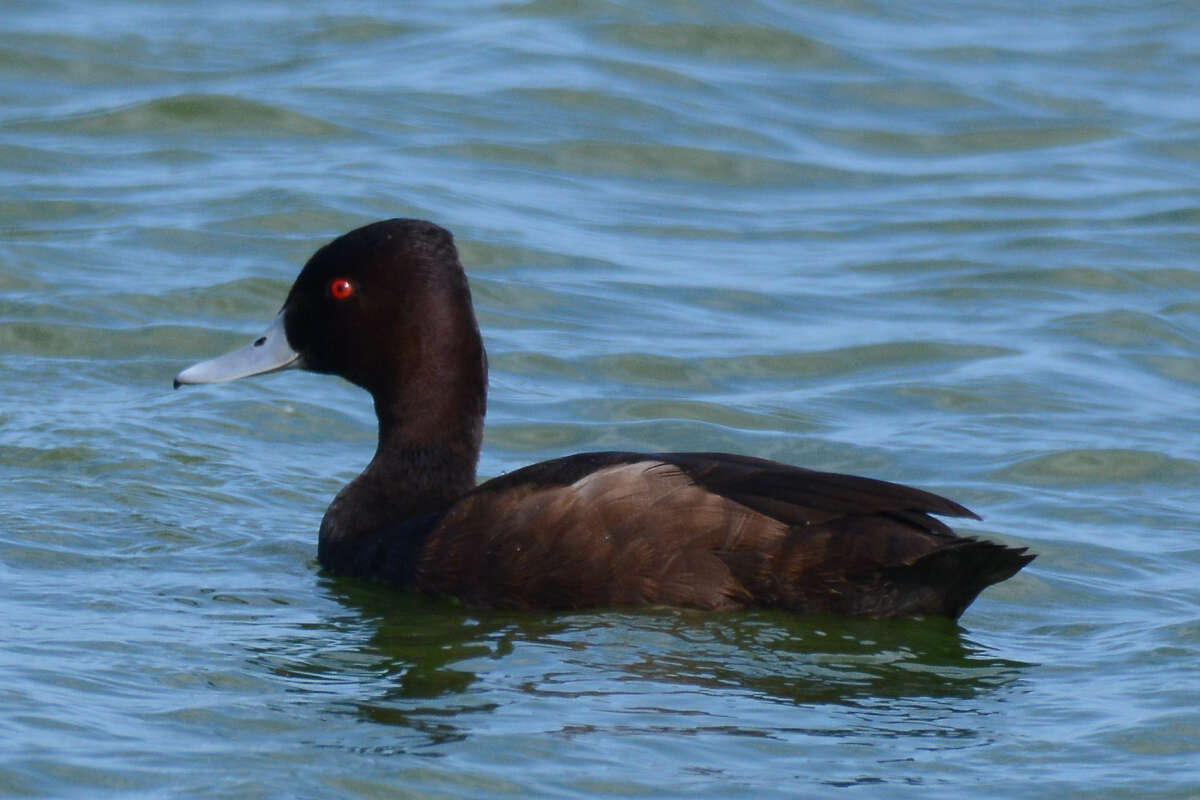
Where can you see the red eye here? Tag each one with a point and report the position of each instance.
(340, 288)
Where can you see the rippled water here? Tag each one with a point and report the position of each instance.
(950, 244)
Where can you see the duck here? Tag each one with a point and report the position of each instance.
(388, 307)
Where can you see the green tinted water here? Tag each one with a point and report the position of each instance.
(952, 245)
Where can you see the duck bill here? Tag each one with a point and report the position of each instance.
(270, 352)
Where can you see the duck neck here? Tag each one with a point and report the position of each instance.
(423, 463)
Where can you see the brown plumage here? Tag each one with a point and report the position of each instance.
(387, 306)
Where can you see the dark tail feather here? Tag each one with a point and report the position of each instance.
(953, 576)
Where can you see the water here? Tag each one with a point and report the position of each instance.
(950, 244)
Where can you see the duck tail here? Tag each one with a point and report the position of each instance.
(954, 575)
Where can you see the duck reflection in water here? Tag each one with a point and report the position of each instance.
(429, 668)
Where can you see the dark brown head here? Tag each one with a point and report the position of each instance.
(387, 307)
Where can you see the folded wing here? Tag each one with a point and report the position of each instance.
(708, 530)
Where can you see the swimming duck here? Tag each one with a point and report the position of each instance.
(387, 307)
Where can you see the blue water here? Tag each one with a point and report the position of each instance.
(947, 244)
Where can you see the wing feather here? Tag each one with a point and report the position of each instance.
(703, 529)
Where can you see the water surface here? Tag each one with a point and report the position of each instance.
(948, 244)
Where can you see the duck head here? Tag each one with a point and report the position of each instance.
(387, 307)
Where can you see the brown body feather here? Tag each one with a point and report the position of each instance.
(706, 530)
